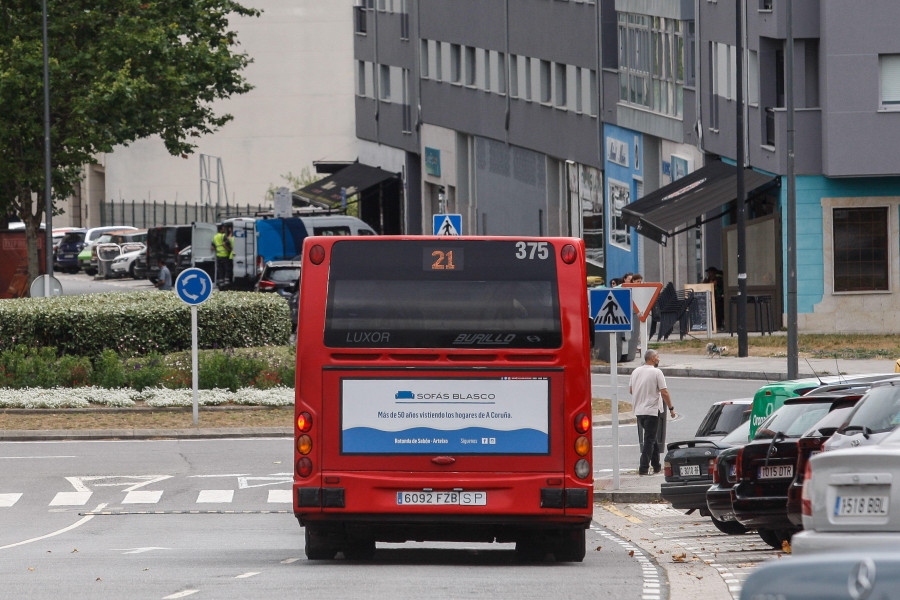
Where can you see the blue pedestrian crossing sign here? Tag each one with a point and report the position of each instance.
(610, 309)
(448, 225)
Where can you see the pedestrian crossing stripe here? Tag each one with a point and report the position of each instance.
(280, 496)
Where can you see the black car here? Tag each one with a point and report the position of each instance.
(279, 276)
(765, 466)
(720, 494)
(688, 464)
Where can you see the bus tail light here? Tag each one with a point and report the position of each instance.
(582, 423)
(582, 446)
(304, 467)
(582, 468)
(316, 254)
(304, 444)
(304, 421)
(568, 254)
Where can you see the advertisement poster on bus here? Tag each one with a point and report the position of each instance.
(503, 415)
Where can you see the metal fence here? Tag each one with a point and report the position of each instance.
(144, 215)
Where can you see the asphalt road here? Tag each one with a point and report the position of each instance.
(173, 518)
(692, 397)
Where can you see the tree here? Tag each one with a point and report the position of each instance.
(120, 70)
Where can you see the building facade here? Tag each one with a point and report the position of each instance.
(540, 117)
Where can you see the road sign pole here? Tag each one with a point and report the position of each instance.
(194, 369)
(614, 384)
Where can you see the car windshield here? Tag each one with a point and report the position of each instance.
(792, 419)
(830, 422)
(283, 275)
(740, 435)
(878, 410)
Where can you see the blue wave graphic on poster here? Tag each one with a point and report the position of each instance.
(418, 440)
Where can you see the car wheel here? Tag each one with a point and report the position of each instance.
(131, 271)
(772, 537)
(729, 527)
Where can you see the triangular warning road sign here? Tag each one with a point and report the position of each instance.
(611, 313)
(643, 297)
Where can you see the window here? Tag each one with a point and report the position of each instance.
(559, 81)
(655, 62)
(470, 65)
(513, 75)
(526, 69)
(860, 249)
(752, 77)
(484, 60)
(438, 61)
(579, 90)
(455, 63)
(360, 78)
(423, 61)
(545, 81)
(500, 71)
(384, 82)
(889, 65)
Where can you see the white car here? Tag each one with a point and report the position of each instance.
(123, 264)
(875, 416)
(850, 500)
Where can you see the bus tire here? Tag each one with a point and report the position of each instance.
(570, 546)
(530, 549)
(317, 545)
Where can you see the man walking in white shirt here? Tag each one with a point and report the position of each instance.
(648, 392)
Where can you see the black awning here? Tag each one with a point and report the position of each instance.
(355, 178)
(657, 214)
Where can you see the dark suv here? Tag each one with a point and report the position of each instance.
(765, 467)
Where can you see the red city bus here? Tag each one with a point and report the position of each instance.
(443, 393)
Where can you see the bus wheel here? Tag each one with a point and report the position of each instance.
(570, 546)
(530, 549)
(317, 546)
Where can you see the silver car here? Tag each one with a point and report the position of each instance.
(875, 416)
(850, 500)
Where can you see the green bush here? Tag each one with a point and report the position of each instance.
(146, 372)
(109, 372)
(74, 371)
(133, 323)
(28, 367)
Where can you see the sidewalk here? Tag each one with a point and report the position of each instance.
(634, 488)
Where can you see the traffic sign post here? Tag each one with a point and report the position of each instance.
(611, 312)
(194, 287)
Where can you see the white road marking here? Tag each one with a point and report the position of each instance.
(183, 594)
(215, 496)
(141, 550)
(246, 575)
(58, 532)
(70, 499)
(132, 481)
(31, 457)
(280, 496)
(142, 497)
(7, 500)
(289, 561)
(244, 482)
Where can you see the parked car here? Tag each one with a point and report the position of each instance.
(66, 258)
(845, 575)
(124, 264)
(87, 259)
(720, 493)
(874, 417)
(278, 276)
(688, 464)
(765, 466)
(851, 499)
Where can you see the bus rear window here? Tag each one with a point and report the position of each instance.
(442, 294)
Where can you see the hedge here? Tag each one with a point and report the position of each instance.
(137, 323)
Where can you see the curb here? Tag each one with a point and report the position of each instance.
(623, 497)
(706, 373)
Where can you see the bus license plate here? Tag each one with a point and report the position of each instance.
(685, 470)
(469, 498)
(776, 471)
(861, 506)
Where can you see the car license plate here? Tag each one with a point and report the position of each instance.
(467, 498)
(67, 256)
(685, 470)
(776, 471)
(855, 506)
